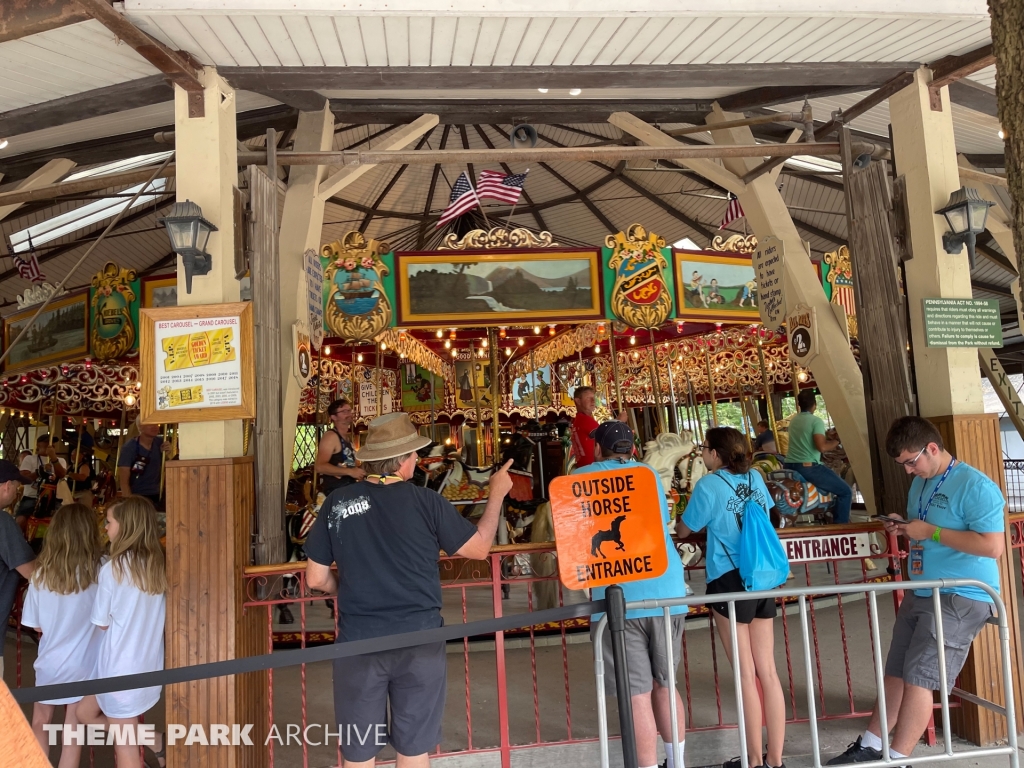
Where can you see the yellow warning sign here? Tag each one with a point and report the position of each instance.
(608, 527)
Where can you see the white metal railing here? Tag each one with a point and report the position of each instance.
(801, 593)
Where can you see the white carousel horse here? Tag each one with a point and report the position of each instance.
(676, 459)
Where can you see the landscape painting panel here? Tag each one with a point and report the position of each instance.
(497, 288)
(716, 287)
(60, 333)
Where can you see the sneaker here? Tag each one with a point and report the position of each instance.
(736, 763)
(855, 753)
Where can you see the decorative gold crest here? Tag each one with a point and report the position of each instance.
(497, 237)
(113, 329)
(735, 243)
(640, 296)
(840, 277)
(357, 306)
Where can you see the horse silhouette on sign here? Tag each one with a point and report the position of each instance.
(612, 535)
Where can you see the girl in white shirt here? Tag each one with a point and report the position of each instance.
(59, 605)
(130, 608)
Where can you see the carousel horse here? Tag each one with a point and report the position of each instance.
(677, 460)
(793, 496)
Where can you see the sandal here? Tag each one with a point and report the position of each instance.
(161, 756)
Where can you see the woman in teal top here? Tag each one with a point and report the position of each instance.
(717, 504)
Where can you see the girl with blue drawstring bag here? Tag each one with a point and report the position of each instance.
(743, 554)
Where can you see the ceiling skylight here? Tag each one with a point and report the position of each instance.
(117, 166)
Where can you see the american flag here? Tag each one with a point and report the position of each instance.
(463, 199)
(495, 185)
(28, 267)
(733, 212)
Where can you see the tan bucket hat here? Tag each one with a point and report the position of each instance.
(390, 436)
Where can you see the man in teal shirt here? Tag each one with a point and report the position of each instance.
(807, 442)
(955, 531)
(646, 652)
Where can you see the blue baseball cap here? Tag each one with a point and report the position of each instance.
(614, 436)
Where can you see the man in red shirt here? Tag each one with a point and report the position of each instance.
(584, 424)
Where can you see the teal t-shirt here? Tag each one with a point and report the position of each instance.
(967, 501)
(802, 429)
(670, 583)
(716, 500)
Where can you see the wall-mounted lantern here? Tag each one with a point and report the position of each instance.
(965, 214)
(189, 233)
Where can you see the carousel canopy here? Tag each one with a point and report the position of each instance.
(75, 90)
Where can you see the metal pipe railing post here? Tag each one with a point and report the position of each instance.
(1011, 713)
(672, 708)
(741, 719)
(602, 701)
(616, 607)
(812, 710)
(940, 641)
(876, 644)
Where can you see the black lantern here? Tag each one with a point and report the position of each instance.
(965, 215)
(189, 233)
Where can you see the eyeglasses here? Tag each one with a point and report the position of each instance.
(705, 447)
(913, 462)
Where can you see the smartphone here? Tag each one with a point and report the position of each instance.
(890, 519)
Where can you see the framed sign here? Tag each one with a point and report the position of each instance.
(61, 333)
(715, 286)
(197, 364)
(461, 288)
(160, 291)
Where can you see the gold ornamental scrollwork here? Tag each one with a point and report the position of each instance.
(562, 346)
(357, 305)
(417, 352)
(640, 295)
(497, 237)
(735, 243)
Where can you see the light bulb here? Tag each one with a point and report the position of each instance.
(632, 339)
(575, 91)
(551, 330)
(3, 143)
(440, 333)
(508, 351)
(597, 349)
(129, 400)
(455, 353)
(401, 335)
(636, 355)
(539, 90)
(327, 351)
(502, 332)
(447, 441)
(359, 357)
(383, 346)
(520, 341)
(483, 343)
(447, 343)
(451, 334)
(536, 330)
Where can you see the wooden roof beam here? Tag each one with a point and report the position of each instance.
(949, 69)
(178, 66)
(21, 18)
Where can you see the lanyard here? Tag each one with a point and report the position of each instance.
(381, 478)
(922, 514)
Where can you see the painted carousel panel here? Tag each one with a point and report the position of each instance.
(61, 333)
(716, 286)
(498, 287)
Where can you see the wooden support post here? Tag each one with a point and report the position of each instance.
(835, 369)
(948, 381)
(210, 492)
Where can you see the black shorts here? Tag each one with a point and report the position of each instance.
(746, 610)
(413, 681)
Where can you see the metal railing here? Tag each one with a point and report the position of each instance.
(801, 594)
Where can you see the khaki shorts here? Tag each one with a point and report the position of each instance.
(646, 654)
(913, 652)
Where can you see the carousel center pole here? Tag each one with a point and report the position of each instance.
(673, 414)
(655, 383)
(767, 388)
(711, 389)
(615, 371)
(495, 394)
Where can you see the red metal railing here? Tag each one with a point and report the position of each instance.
(490, 726)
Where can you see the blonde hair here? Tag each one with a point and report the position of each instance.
(71, 551)
(137, 550)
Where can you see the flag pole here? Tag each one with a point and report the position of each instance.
(478, 203)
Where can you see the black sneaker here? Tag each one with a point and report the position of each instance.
(736, 763)
(856, 753)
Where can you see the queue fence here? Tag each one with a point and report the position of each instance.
(615, 616)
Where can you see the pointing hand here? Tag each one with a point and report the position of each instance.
(500, 483)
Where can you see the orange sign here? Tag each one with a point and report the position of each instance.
(608, 527)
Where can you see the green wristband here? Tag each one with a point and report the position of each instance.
(936, 535)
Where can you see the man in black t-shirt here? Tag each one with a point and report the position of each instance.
(384, 534)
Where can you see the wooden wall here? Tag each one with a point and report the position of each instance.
(975, 440)
(210, 505)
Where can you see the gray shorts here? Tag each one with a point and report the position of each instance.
(411, 681)
(646, 655)
(913, 652)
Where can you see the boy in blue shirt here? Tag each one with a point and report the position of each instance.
(955, 531)
(646, 654)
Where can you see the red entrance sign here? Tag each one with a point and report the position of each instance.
(608, 527)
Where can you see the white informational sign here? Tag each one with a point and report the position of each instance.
(314, 296)
(844, 546)
(769, 264)
(368, 400)
(198, 363)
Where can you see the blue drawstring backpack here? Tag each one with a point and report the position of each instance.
(763, 561)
